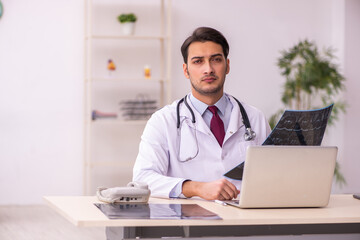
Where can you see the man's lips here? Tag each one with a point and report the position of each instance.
(209, 79)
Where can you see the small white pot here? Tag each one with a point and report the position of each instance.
(128, 28)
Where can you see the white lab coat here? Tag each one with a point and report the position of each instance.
(158, 162)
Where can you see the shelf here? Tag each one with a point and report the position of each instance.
(115, 79)
(107, 37)
(108, 163)
(113, 138)
(118, 121)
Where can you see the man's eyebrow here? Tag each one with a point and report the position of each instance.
(196, 57)
(216, 55)
(212, 56)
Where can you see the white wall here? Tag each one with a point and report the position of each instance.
(352, 72)
(41, 71)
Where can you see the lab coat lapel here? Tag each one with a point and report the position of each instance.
(236, 121)
(199, 121)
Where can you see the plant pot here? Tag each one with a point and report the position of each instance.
(128, 28)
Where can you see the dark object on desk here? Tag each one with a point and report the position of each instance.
(357, 196)
(237, 172)
(295, 127)
(156, 211)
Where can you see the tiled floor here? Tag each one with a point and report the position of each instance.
(41, 222)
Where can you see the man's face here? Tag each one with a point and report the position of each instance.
(206, 68)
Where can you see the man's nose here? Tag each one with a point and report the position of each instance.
(208, 68)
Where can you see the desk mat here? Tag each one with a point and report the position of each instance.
(155, 211)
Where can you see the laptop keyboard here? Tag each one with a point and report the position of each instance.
(235, 201)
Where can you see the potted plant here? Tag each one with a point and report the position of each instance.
(128, 22)
(312, 81)
(1, 9)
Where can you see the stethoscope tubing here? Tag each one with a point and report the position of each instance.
(244, 115)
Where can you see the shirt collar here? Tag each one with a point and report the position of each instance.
(201, 107)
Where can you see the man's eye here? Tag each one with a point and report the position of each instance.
(197, 61)
(217, 59)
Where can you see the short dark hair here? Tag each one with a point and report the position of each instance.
(204, 34)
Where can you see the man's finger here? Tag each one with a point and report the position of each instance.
(231, 189)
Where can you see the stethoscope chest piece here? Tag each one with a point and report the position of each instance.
(249, 134)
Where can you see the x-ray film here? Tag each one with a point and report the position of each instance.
(300, 127)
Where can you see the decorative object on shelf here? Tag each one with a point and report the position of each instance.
(111, 66)
(312, 81)
(1, 9)
(95, 114)
(147, 72)
(127, 21)
(140, 108)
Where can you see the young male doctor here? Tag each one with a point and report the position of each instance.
(188, 146)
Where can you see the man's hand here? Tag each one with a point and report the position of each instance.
(220, 189)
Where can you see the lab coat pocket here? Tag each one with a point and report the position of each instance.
(188, 144)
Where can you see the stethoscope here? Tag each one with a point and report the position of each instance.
(249, 133)
(184, 157)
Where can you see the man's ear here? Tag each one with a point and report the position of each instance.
(185, 69)
(227, 66)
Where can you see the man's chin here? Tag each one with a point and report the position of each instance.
(210, 91)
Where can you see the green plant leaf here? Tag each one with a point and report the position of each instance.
(127, 17)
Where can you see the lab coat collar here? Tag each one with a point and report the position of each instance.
(201, 107)
(199, 124)
(235, 122)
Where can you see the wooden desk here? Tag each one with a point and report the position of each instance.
(342, 215)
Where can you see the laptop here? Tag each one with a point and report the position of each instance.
(287, 176)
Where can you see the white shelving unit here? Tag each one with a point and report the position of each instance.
(111, 145)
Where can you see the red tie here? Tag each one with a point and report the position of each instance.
(217, 125)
